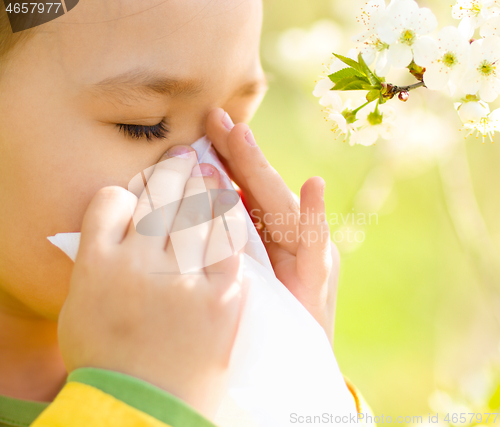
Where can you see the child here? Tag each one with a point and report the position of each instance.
(88, 101)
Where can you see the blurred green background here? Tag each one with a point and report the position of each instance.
(417, 327)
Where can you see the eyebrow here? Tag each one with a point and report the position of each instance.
(129, 85)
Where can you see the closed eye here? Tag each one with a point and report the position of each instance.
(150, 133)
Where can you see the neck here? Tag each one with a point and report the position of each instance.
(31, 366)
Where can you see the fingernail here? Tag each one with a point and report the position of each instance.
(203, 169)
(250, 138)
(180, 151)
(228, 198)
(227, 122)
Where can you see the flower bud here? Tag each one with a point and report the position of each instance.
(404, 95)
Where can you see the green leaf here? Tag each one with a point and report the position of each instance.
(372, 87)
(345, 72)
(374, 80)
(351, 62)
(352, 83)
(494, 402)
(373, 95)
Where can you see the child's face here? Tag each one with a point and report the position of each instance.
(65, 91)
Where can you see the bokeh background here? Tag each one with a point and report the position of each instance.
(417, 327)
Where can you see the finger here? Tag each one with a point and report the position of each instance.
(265, 184)
(314, 258)
(217, 127)
(191, 227)
(107, 217)
(161, 197)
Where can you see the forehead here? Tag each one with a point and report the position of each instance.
(183, 38)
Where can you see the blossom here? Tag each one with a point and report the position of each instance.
(473, 14)
(372, 125)
(341, 116)
(450, 60)
(373, 48)
(476, 117)
(404, 29)
(483, 75)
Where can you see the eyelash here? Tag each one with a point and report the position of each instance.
(158, 131)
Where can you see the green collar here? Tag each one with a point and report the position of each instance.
(19, 413)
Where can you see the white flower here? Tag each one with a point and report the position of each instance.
(335, 114)
(372, 125)
(404, 29)
(473, 14)
(476, 117)
(450, 61)
(373, 48)
(483, 75)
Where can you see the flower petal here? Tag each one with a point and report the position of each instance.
(383, 65)
(491, 27)
(494, 115)
(368, 135)
(425, 50)
(472, 111)
(426, 23)
(322, 87)
(369, 53)
(388, 130)
(436, 76)
(471, 82)
(388, 31)
(404, 11)
(491, 48)
(339, 119)
(331, 98)
(450, 39)
(488, 91)
(466, 27)
(400, 55)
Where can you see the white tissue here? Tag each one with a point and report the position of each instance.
(282, 365)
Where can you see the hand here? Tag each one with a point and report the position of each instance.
(303, 256)
(173, 330)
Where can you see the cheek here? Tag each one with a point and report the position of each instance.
(48, 180)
